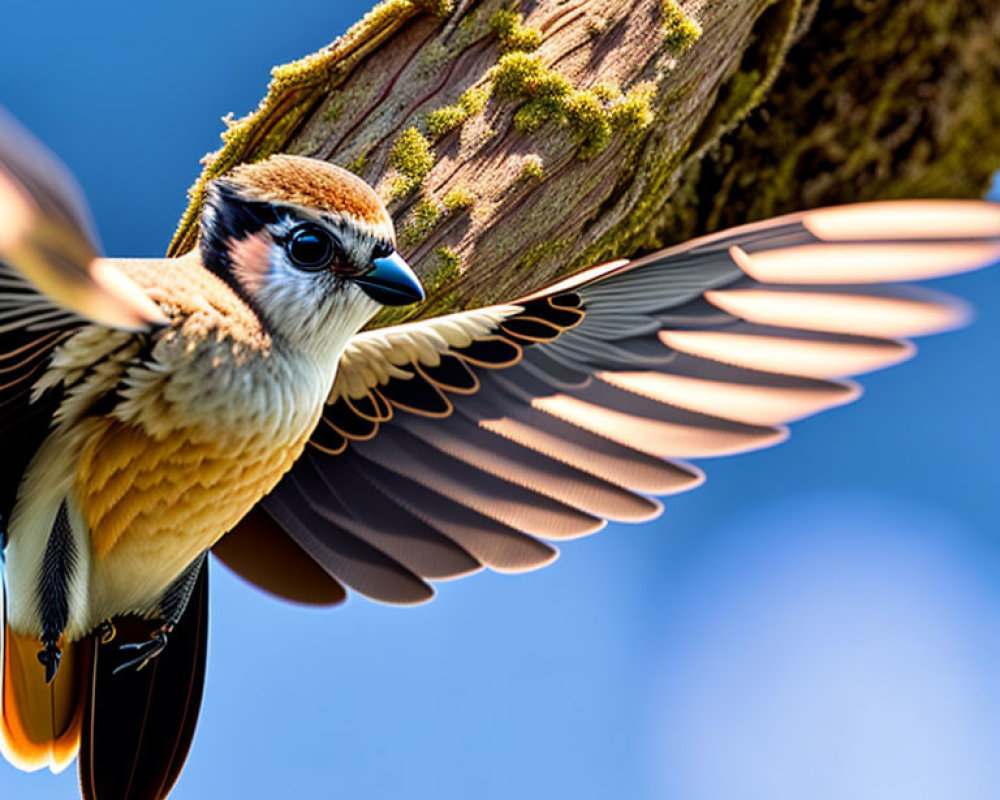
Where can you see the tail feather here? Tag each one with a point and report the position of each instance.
(139, 724)
(40, 722)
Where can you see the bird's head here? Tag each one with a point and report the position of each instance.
(309, 246)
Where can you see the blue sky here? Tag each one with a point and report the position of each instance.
(820, 620)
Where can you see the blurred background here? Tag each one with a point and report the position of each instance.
(821, 620)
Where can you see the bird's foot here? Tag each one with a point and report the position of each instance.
(49, 658)
(145, 651)
(107, 632)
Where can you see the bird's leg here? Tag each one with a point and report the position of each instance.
(53, 590)
(172, 607)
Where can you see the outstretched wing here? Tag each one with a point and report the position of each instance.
(51, 284)
(47, 236)
(465, 441)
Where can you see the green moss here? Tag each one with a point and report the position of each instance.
(400, 187)
(590, 121)
(513, 34)
(531, 116)
(606, 92)
(679, 30)
(332, 112)
(526, 39)
(411, 154)
(271, 126)
(441, 120)
(449, 267)
(672, 203)
(383, 14)
(426, 214)
(412, 157)
(359, 164)
(539, 253)
(439, 8)
(429, 212)
(550, 87)
(592, 115)
(519, 73)
(532, 168)
(458, 199)
(634, 112)
(471, 102)
(523, 76)
(504, 21)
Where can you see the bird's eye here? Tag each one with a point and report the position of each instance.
(311, 247)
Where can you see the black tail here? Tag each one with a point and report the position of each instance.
(138, 724)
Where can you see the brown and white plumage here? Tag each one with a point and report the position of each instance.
(248, 414)
(204, 416)
(145, 442)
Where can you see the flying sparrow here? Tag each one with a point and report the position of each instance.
(226, 400)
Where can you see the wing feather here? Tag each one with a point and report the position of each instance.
(47, 235)
(580, 448)
(397, 450)
(809, 354)
(883, 315)
(641, 423)
(344, 556)
(509, 461)
(52, 284)
(497, 546)
(262, 552)
(356, 505)
(547, 416)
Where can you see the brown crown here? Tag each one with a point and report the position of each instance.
(311, 182)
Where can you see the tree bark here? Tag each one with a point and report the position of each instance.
(516, 143)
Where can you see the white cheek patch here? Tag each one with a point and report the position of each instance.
(317, 311)
(292, 299)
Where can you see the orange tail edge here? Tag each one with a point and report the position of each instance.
(40, 723)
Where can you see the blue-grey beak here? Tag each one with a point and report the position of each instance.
(391, 282)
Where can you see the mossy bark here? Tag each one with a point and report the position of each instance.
(582, 131)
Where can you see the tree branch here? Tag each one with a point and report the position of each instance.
(516, 143)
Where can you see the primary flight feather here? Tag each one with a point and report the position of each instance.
(154, 410)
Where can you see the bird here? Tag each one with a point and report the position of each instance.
(231, 402)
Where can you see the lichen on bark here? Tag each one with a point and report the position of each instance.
(645, 139)
(906, 105)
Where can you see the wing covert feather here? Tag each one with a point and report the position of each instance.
(549, 415)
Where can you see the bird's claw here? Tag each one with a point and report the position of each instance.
(107, 632)
(144, 651)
